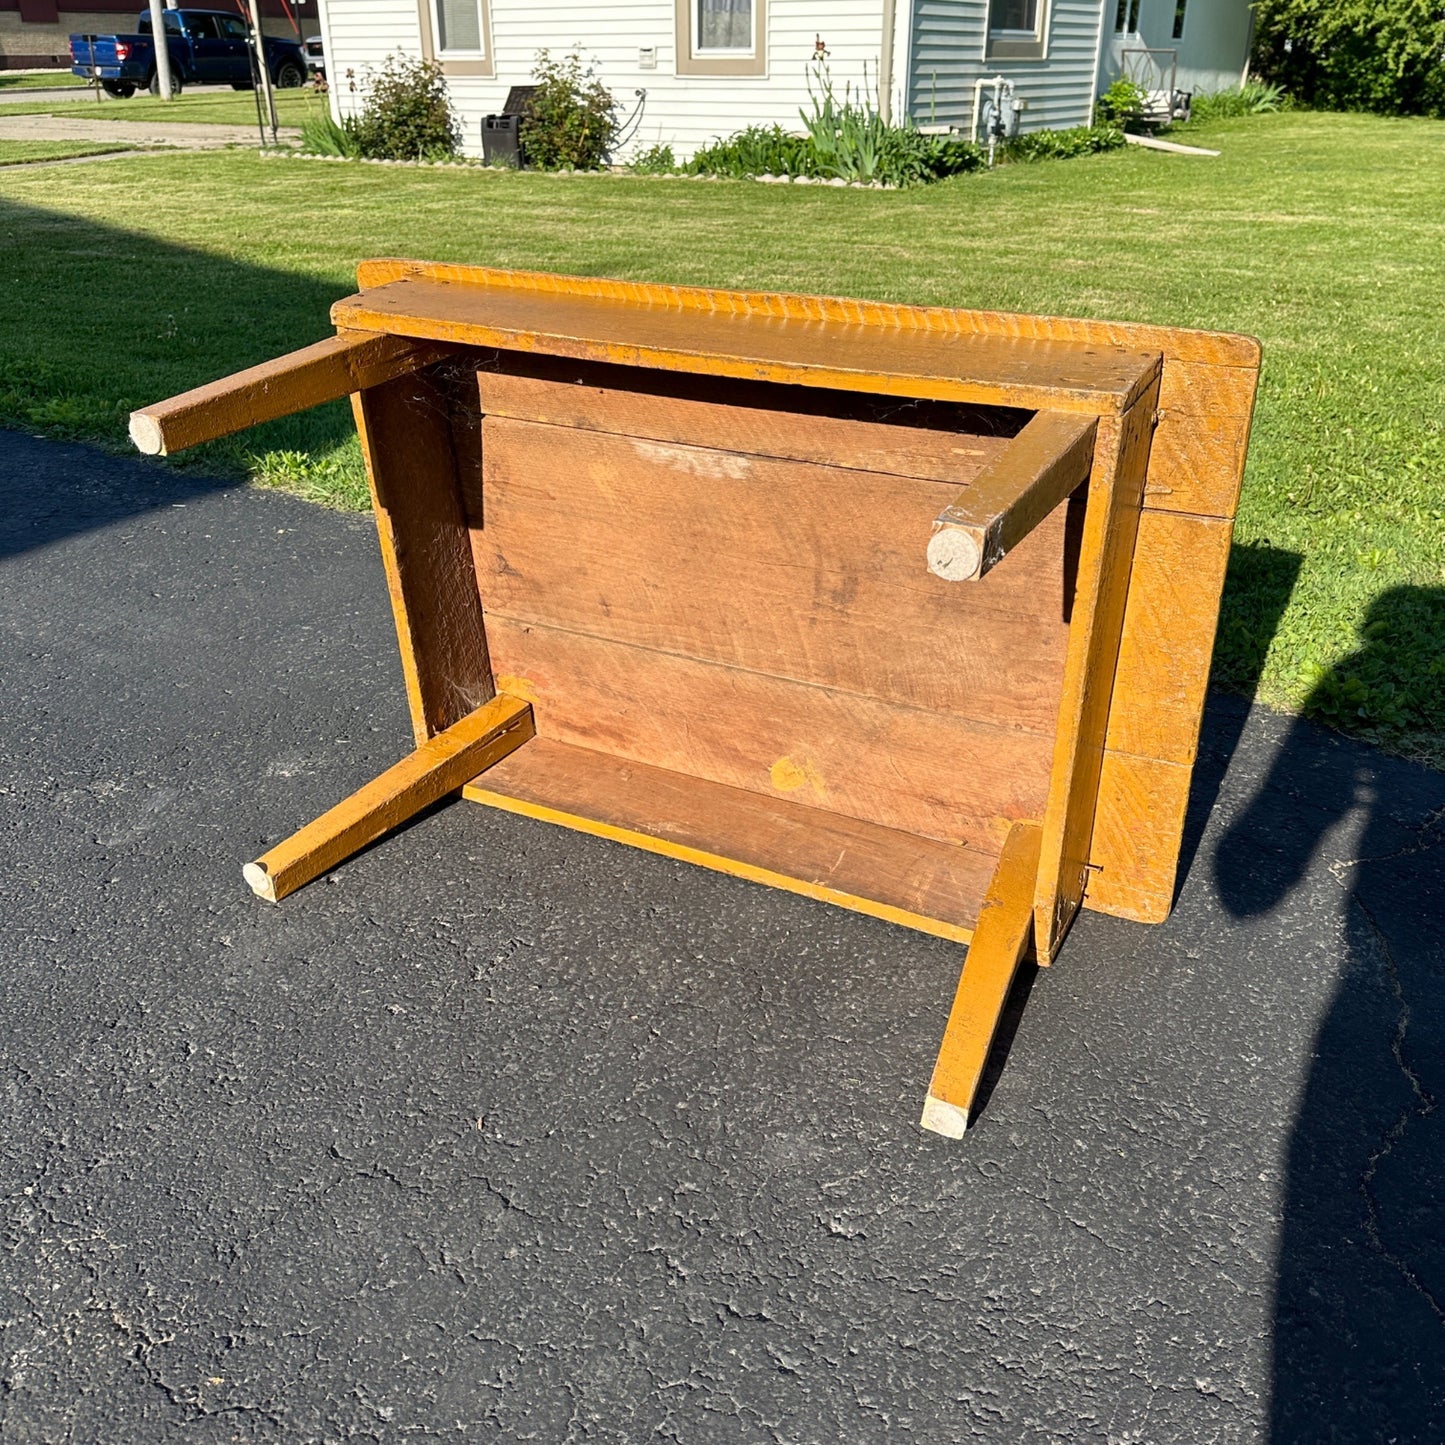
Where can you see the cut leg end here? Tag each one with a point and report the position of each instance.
(946, 1119)
(262, 884)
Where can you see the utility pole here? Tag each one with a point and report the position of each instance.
(162, 49)
(263, 75)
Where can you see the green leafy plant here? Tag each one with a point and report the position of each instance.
(845, 139)
(760, 150)
(654, 161)
(1122, 104)
(1045, 145)
(321, 136)
(572, 120)
(1380, 55)
(1255, 97)
(407, 114)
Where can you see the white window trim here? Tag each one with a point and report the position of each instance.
(456, 62)
(733, 52)
(436, 30)
(1021, 44)
(692, 60)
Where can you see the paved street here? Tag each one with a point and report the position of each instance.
(506, 1133)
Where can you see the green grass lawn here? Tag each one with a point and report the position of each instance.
(1321, 234)
(232, 107)
(46, 80)
(18, 152)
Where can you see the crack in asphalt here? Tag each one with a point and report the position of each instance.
(1422, 1108)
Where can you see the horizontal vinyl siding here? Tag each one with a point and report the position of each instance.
(947, 57)
(681, 111)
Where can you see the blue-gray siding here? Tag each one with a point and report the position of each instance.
(947, 55)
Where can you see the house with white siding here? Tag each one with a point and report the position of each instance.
(693, 70)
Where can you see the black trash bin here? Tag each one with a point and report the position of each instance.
(502, 134)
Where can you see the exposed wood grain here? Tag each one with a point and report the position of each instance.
(941, 365)
(1212, 347)
(407, 439)
(1121, 456)
(939, 440)
(1013, 493)
(1001, 937)
(1194, 388)
(774, 566)
(906, 768)
(439, 766)
(1196, 464)
(911, 881)
(1168, 637)
(324, 372)
(1135, 849)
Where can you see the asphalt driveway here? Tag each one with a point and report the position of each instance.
(505, 1133)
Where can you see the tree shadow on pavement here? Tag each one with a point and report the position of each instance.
(109, 320)
(1359, 1327)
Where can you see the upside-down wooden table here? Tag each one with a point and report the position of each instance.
(909, 610)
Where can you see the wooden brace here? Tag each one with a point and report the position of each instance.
(1043, 464)
(327, 371)
(440, 766)
(1002, 937)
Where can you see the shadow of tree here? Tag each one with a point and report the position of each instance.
(114, 319)
(1359, 1333)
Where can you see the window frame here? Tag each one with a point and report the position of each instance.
(1019, 44)
(692, 61)
(457, 62)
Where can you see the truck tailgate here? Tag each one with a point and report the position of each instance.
(107, 50)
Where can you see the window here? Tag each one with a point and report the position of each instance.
(233, 28)
(1017, 29)
(1179, 18)
(722, 37)
(1014, 15)
(203, 26)
(458, 34)
(725, 25)
(459, 27)
(1126, 17)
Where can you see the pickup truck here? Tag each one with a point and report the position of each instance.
(207, 47)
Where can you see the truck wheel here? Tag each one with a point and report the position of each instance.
(121, 89)
(155, 85)
(289, 75)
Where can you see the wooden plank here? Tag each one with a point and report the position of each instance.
(1003, 504)
(779, 567)
(1121, 458)
(408, 441)
(1195, 389)
(1001, 937)
(941, 441)
(1196, 464)
(327, 371)
(929, 886)
(942, 365)
(1168, 637)
(905, 768)
(1134, 854)
(439, 766)
(1211, 347)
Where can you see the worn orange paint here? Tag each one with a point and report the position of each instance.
(716, 596)
(1000, 939)
(438, 767)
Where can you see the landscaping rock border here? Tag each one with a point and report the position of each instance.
(470, 164)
